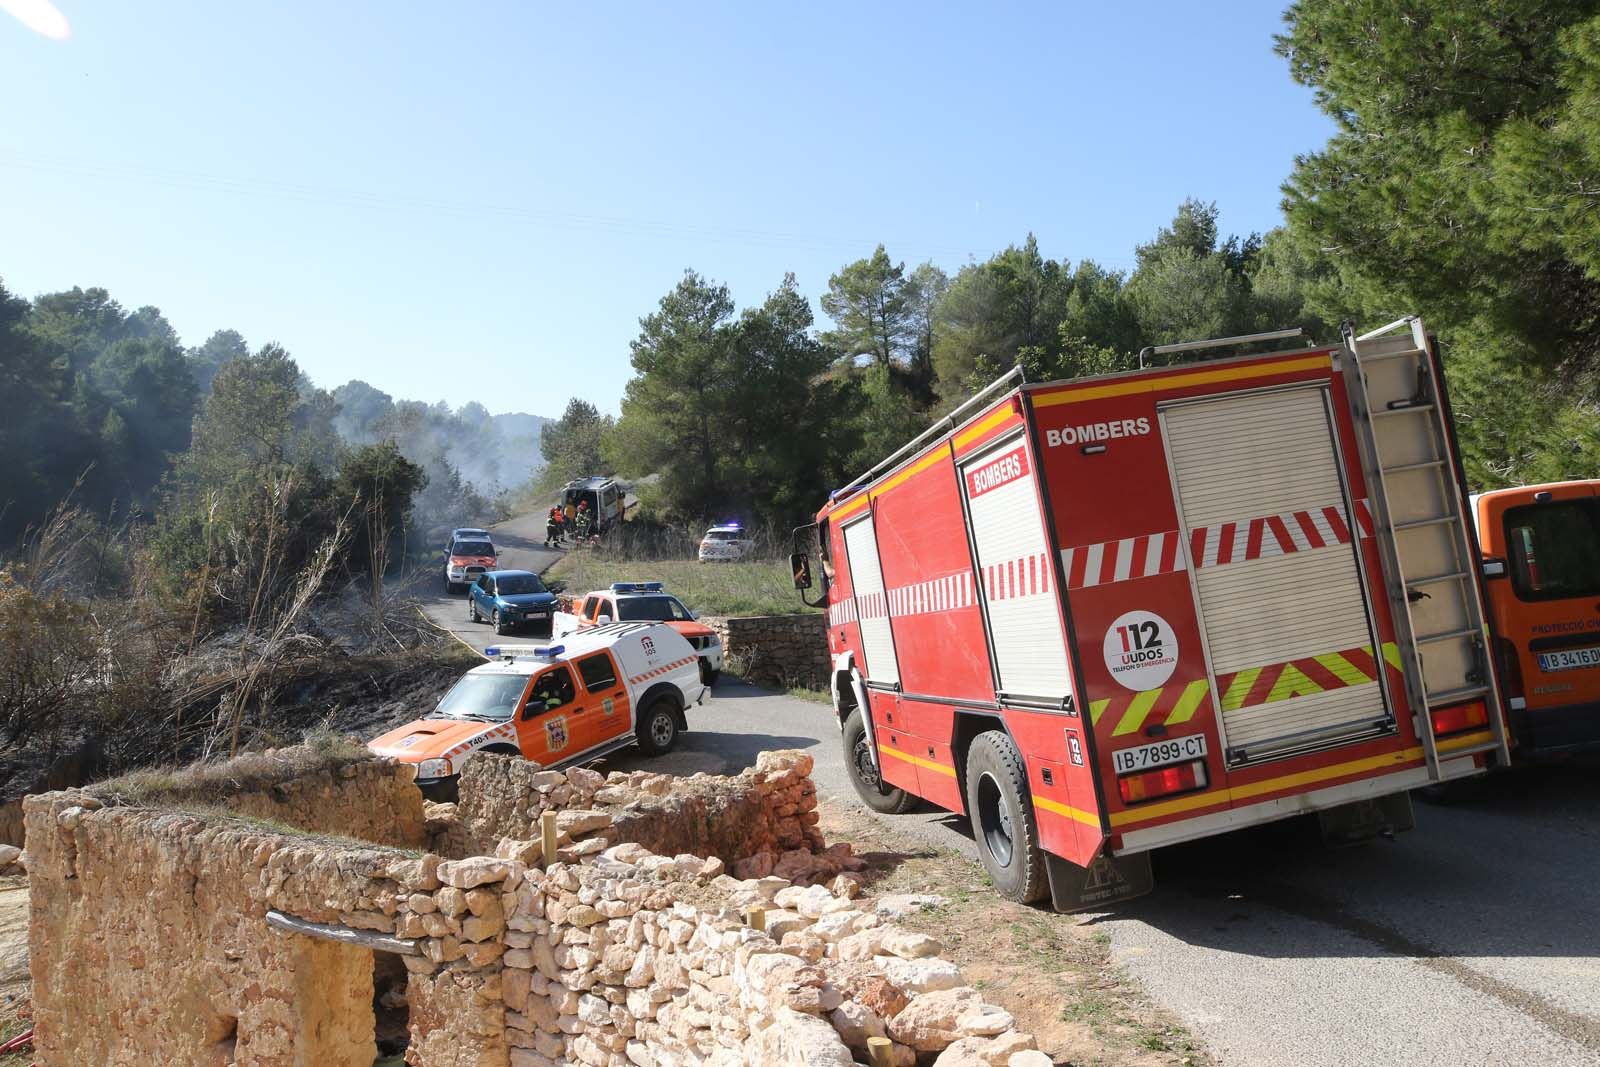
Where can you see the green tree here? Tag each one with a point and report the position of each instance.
(993, 310)
(925, 287)
(378, 484)
(571, 445)
(205, 361)
(362, 410)
(1458, 186)
(872, 307)
(671, 407)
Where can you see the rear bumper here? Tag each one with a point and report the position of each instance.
(1569, 728)
(1219, 822)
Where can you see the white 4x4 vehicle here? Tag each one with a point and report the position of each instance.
(599, 690)
(725, 543)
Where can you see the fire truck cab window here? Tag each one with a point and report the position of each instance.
(553, 689)
(598, 674)
(1554, 549)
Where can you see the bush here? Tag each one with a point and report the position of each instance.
(49, 660)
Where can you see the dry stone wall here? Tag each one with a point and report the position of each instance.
(163, 936)
(770, 807)
(776, 650)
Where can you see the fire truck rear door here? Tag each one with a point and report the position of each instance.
(1271, 536)
(1015, 577)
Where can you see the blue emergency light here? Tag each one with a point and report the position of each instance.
(513, 651)
(637, 587)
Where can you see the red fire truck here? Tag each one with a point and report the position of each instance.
(1104, 615)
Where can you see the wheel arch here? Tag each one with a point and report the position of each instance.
(669, 690)
(968, 725)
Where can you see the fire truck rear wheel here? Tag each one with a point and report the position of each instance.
(872, 789)
(1002, 818)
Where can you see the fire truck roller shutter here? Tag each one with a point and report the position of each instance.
(1015, 575)
(1273, 546)
(872, 604)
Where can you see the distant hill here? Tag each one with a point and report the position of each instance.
(520, 424)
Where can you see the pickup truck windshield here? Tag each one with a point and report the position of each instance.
(472, 548)
(484, 696)
(651, 609)
(511, 585)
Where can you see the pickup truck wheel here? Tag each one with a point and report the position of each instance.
(1002, 818)
(708, 675)
(500, 627)
(658, 730)
(874, 792)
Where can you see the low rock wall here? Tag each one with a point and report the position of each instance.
(152, 943)
(776, 650)
(769, 808)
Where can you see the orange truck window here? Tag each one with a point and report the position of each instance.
(1552, 549)
(553, 689)
(598, 672)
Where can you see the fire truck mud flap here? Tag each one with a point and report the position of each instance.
(1107, 880)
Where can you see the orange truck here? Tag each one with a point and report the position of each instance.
(644, 602)
(559, 705)
(1541, 562)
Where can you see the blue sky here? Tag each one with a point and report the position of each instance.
(479, 200)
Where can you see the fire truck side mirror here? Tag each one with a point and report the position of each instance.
(800, 567)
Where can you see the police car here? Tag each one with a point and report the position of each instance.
(598, 691)
(725, 543)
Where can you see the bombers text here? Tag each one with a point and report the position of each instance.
(1097, 431)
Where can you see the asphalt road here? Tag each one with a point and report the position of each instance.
(1474, 939)
(521, 544)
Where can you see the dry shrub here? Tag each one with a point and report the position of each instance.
(49, 660)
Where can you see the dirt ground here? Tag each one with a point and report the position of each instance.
(14, 984)
(1050, 971)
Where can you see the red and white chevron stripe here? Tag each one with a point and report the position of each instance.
(842, 612)
(1144, 556)
(659, 671)
(949, 593)
(1275, 535)
(1026, 576)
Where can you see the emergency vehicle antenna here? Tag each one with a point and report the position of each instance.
(1217, 342)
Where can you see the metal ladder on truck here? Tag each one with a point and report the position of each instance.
(1429, 557)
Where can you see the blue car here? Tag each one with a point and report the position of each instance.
(509, 599)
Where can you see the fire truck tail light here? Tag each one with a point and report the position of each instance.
(1148, 785)
(1458, 717)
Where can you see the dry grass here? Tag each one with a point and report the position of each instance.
(201, 784)
(759, 587)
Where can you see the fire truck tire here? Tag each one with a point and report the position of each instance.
(658, 731)
(864, 776)
(1002, 818)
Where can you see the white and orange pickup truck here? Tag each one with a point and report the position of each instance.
(643, 602)
(560, 705)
